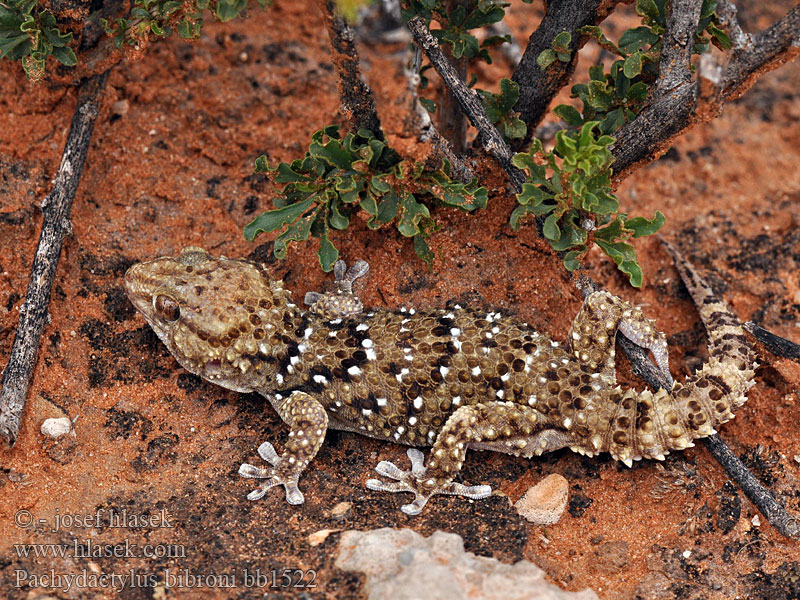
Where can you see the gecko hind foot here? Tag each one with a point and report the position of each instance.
(342, 302)
(413, 481)
(279, 474)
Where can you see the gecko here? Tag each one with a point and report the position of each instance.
(452, 379)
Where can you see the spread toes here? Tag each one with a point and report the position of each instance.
(414, 481)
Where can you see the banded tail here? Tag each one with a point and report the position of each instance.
(649, 425)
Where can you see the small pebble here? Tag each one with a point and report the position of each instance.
(55, 428)
(120, 107)
(316, 538)
(687, 553)
(756, 521)
(340, 510)
(544, 503)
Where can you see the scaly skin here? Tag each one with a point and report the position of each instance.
(452, 379)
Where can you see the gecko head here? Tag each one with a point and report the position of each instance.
(222, 319)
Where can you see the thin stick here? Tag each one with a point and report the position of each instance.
(493, 142)
(357, 101)
(777, 345)
(56, 225)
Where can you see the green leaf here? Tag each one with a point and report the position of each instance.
(336, 219)
(642, 227)
(515, 129)
(15, 47)
(637, 92)
(569, 114)
(721, 39)
(333, 153)
(572, 259)
(422, 249)
(571, 234)
(296, 232)
(327, 253)
(633, 39)
(509, 94)
(428, 105)
(533, 195)
(546, 58)
(562, 42)
(519, 213)
(647, 8)
(412, 213)
(286, 174)
(272, 220)
(633, 65)
(613, 121)
(65, 56)
(633, 270)
(597, 33)
(229, 9)
(550, 229)
(387, 209)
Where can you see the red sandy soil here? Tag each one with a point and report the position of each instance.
(171, 164)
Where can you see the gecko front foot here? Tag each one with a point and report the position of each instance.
(414, 481)
(282, 472)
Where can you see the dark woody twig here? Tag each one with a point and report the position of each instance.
(668, 115)
(56, 225)
(357, 101)
(538, 87)
(493, 142)
(777, 345)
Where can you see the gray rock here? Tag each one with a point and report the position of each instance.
(400, 564)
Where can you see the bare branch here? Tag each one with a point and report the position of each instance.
(726, 12)
(650, 134)
(428, 132)
(56, 225)
(777, 345)
(674, 66)
(357, 101)
(493, 142)
(538, 87)
(776, 514)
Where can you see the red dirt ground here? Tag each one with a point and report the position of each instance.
(171, 164)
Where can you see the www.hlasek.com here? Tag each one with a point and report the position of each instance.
(175, 578)
(88, 548)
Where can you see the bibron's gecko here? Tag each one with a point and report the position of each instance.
(454, 379)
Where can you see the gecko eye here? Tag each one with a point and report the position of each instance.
(167, 308)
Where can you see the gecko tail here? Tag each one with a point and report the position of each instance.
(710, 396)
(650, 425)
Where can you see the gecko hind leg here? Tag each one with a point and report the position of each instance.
(506, 426)
(591, 336)
(342, 302)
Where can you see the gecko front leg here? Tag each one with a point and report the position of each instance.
(498, 426)
(308, 423)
